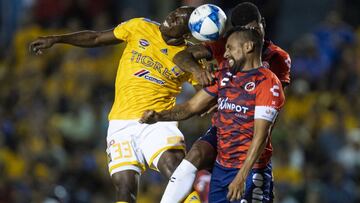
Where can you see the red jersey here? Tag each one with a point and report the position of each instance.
(217, 49)
(242, 98)
(274, 58)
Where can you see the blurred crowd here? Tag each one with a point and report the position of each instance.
(53, 108)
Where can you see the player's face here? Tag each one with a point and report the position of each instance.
(234, 52)
(174, 28)
(257, 25)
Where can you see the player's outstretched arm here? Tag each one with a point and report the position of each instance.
(261, 132)
(187, 60)
(86, 38)
(200, 102)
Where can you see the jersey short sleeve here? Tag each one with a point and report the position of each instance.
(213, 89)
(123, 30)
(269, 99)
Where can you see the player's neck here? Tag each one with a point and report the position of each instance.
(252, 64)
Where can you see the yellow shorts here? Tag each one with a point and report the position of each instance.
(131, 145)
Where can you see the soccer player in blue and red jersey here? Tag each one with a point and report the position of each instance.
(203, 152)
(249, 97)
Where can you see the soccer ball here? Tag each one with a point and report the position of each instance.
(207, 22)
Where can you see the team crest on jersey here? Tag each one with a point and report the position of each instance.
(144, 43)
(143, 73)
(250, 86)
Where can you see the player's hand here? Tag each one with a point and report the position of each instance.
(149, 117)
(236, 189)
(41, 43)
(204, 77)
(211, 110)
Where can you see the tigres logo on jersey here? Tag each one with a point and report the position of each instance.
(146, 77)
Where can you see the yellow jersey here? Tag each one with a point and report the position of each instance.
(146, 77)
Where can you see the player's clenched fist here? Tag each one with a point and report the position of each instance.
(42, 43)
(149, 117)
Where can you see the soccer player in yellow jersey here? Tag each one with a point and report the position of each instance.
(146, 79)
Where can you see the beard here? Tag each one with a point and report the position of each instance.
(236, 65)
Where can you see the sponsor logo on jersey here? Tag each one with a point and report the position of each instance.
(270, 112)
(149, 62)
(224, 104)
(224, 81)
(144, 42)
(274, 90)
(288, 62)
(250, 86)
(145, 74)
(142, 73)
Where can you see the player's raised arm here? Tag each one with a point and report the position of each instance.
(200, 102)
(187, 60)
(86, 38)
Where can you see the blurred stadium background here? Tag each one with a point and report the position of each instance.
(53, 113)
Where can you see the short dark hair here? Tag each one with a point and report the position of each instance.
(249, 33)
(188, 10)
(245, 13)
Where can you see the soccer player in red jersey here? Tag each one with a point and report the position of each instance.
(249, 97)
(203, 152)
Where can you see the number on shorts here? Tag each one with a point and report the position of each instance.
(122, 149)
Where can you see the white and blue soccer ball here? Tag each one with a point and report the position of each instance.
(207, 22)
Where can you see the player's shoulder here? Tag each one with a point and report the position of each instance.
(268, 74)
(275, 50)
(142, 22)
(149, 22)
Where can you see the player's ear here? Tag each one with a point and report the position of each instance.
(187, 36)
(249, 46)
